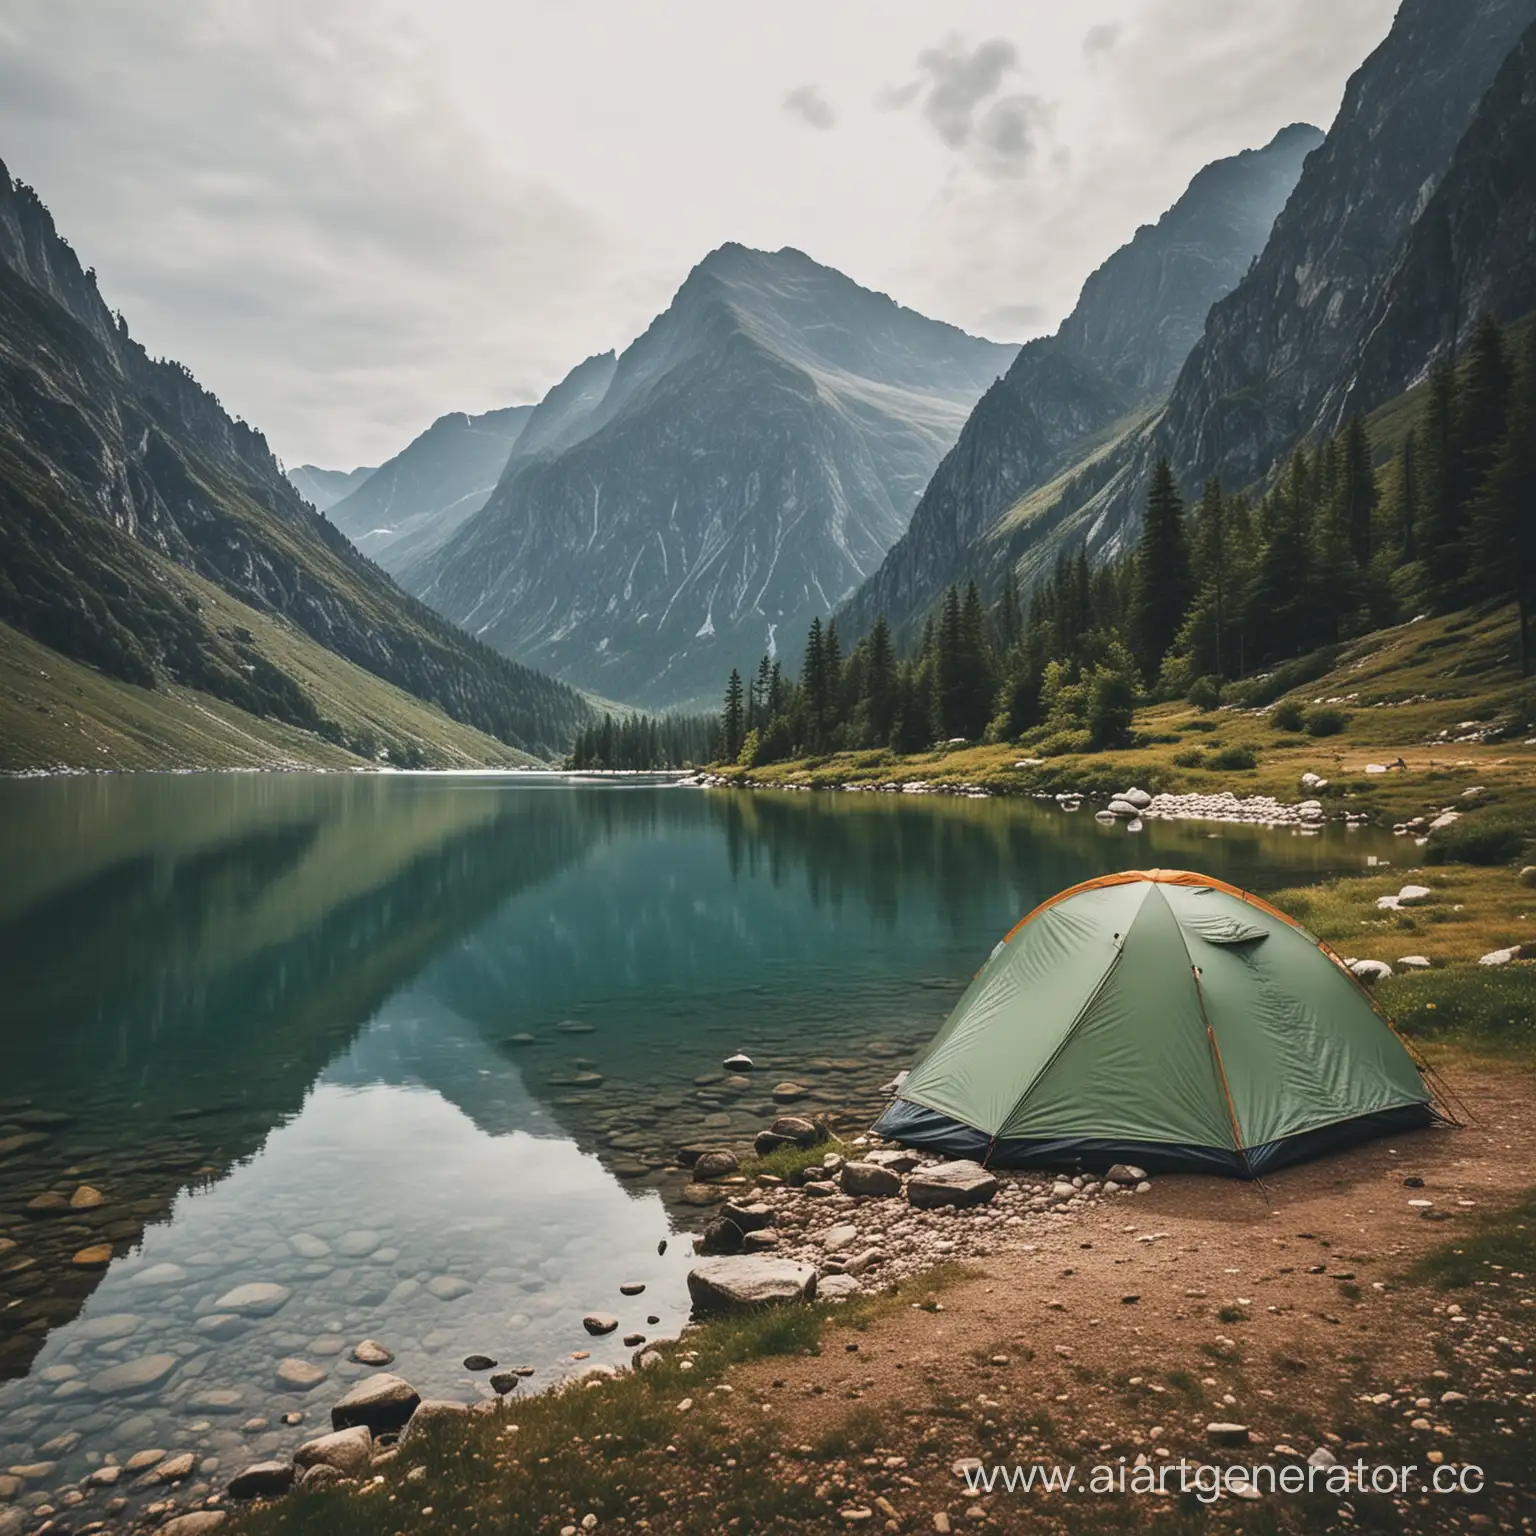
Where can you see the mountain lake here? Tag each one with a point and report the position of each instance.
(261, 1095)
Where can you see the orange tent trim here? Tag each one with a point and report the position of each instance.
(1156, 877)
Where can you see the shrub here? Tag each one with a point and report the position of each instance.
(1256, 692)
(1059, 743)
(1205, 692)
(1234, 757)
(1288, 716)
(1326, 722)
(1476, 840)
(1194, 758)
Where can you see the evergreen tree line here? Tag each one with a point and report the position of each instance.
(1338, 546)
(647, 741)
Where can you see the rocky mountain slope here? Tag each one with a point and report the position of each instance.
(323, 488)
(693, 502)
(414, 501)
(119, 475)
(1414, 217)
(1275, 352)
(1110, 362)
(1472, 251)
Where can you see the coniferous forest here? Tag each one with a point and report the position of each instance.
(646, 741)
(1337, 545)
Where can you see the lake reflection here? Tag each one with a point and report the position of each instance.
(259, 1031)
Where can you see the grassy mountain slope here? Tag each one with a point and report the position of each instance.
(1441, 693)
(121, 479)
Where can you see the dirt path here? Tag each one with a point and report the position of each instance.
(1124, 1334)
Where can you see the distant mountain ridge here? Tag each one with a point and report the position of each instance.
(414, 501)
(323, 488)
(741, 466)
(117, 471)
(1111, 360)
(1416, 215)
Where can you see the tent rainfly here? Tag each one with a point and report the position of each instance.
(1162, 1018)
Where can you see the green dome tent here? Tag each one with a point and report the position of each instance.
(1162, 1018)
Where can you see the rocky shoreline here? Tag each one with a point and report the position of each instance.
(855, 1219)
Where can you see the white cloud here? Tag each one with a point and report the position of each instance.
(348, 216)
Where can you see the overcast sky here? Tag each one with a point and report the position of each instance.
(350, 216)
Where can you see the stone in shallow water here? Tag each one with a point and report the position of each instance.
(308, 1246)
(380, 1403)
(357, 1244)
(97, 1256)
(479, 1363)
(159, 1274)
(109, 1326)
(133, 1375)
(258, 1299)
(217, 1400)
(221, 1325)
(86, 1198)
(371, 1352)
(574, 1027)
(599, 1322)
(632, 1288)
(503, 1382)
(296, 1375)
(449, 1287)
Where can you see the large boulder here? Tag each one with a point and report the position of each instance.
(198, 1523)
(262, 1480)
(870, 1179)
(717, 1163)
(380, 1403)
(749, 1217)
(720, 1236)
(431, 1412)
(902, 1160)
(749, 1280)
(957, 1183)
(349, 1451)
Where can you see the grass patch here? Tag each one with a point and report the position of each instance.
(1479, 839)
(785, 1162)
(1492, 1007)
(1500, 1242)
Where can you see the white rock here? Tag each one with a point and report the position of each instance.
(1500, 956)
(1138, 797)
(749, 1280)
(1414, 963)
(1370, 971)
(1412, 895)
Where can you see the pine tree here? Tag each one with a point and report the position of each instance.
(1164, 582)
(880, 682)
(978, 671)
(733, 720)
(1504, 514)
(1440, 532)
(1408, 495)
(813, 685)
(1355, 490)
(949, 667)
